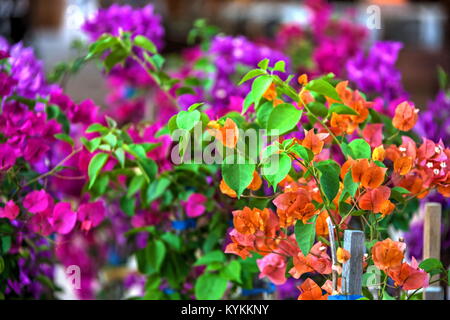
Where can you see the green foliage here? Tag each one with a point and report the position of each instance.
(283, 118)
(305, 234)
(237, 173)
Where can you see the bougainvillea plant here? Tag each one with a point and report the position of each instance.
(216, 188)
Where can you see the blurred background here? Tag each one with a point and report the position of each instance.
(50, 26)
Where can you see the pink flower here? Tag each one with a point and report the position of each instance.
(37, 201)
(273, 266)
(7, 156)
(409, 276)
(39, 224)
(373, 133)
(63, 218)
(10, 211)
(194, 206)
(91, 214)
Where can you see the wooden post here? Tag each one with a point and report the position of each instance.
(333, 254)
(432, 245)
(353, 268)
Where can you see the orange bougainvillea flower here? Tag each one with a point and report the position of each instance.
(373, 177)
(321, 225)
(387, 208)
(409, 277)
(256, 182)
(374, 200)
(346, 166)
(403, 165)
(359, 167)
(303, 79)
(388, 254)
(311, 291)
(248, 221)
(271, 93)
(406, 116)
(295, 205)
(316, 260)
(228, 134)
(225, 189)
(313, 141)
(378, 153)
(306, 96)
(342, 255)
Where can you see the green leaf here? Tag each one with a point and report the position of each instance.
(232, 271)
(349, 185)
(259, 87)
(318, 109)
(360, 149)
(324, 88)
(210, 287)
(151, 257)
(283, 118)
(237, 173)
(110, 139)
(305, 234)
(329, 178)
(187, 119)
(341, 109)
(120, 156)
(263, 113)
(116, 56)
(276, 168)
(101, 46)
(263, 64)
(251, 74)
(184, 90)
(95, 166)
(135, 185)
(2, 264)
(148, 167)
(302, 152)
(128, 205)
(431, 265)
(64, 137)
(280, 66)
(97, 127)
(145, 43)
(210, 257)
(248, 101)
(172, 240)
(195, 106)
(156, 189)
(6, 244)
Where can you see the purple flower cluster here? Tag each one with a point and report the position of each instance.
(28, 134)
(118, 18)
(375, 72)
(31, 269)
(26, 71)
(433, 121)
(227, 54)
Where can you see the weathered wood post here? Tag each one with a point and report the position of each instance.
(333, 254)
(353, 268)
(432, 245)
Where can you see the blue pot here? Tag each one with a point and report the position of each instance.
(345, 297)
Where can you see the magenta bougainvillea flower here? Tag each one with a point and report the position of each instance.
(10, 211)
(37, 201)
(195, 205)
(63, 219)
(91, 214)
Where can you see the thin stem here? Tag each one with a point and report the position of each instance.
(54, 170)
